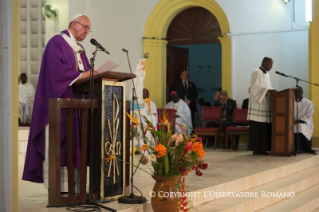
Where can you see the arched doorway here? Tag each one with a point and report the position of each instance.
(193, 46)
(155, 43)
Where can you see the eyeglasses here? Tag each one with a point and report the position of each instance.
(86, 27)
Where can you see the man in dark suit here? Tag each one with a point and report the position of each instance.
(228, 105)
(187, 91)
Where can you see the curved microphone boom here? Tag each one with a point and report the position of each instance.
(95, 43)
(282, 74)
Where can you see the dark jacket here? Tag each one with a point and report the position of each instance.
(217, 104)
(192, 92)
(245, 104)
(229, 107)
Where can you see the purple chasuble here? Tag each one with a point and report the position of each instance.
(58, 70)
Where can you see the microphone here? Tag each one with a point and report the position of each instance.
(124, 50)
(282, 74)
(95, 43)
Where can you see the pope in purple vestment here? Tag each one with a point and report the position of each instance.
(58, 70)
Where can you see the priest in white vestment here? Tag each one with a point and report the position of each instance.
(183, 114)
(150, 112)
(30, 93)
(259, 109)
(303, 122)
(23, 104)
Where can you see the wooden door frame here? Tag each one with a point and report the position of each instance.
(155, 43)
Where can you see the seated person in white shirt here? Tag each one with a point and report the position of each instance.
(183, 114)
(303, 122)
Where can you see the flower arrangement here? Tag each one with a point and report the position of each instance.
(171, 154)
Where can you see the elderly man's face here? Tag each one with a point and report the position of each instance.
(184, 76)
(81, 28)
(223, 98)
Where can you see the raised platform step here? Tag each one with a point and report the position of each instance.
(304, 201)
(265, 195)
(232, 171)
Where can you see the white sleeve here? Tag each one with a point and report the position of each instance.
(79, 77)
(258, 87)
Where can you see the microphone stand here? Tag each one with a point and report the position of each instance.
(90, 199)
(133, 199)
(297, 151)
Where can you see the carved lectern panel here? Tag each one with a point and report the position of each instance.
(280, 143)
(113, 140)
(280, 124)
(280, 105)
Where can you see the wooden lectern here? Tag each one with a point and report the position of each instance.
(111, 137)
(282, 106)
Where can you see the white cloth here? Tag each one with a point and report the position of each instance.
(259, 102)
(77, 51)
(23, 104)
(185, 119)
(305, 112)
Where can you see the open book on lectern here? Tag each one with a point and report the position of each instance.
(107, 66)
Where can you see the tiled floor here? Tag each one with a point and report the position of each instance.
(222, 167)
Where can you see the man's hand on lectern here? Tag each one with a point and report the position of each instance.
(272, 92)
(88, 74)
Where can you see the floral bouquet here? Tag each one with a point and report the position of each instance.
(172, 154)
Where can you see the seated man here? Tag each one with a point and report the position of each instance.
(183, 114)
(30, 93)
(303, 122)
(23, 105)
(228, 105)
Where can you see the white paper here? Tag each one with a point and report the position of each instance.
(107, 66)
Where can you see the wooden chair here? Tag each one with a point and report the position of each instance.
(239, 117)
(210, 114)
(171, 117)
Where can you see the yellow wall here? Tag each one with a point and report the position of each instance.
(15, 102)
(155, 43)
(314, 67)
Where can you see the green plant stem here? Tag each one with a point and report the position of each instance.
(134, 166)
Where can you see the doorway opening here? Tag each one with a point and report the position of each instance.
(193, 46)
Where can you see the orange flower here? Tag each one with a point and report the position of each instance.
(198, 148)
(145, 147)
(161, 149)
